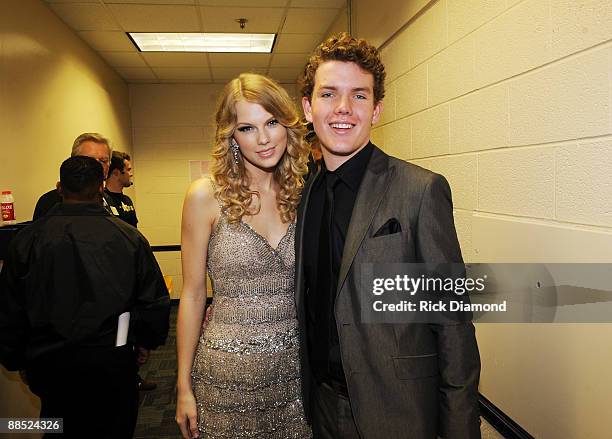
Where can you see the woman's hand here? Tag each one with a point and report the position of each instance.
(207, 316)
(187, 415)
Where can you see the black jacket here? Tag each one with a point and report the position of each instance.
(69, 276)
(45, 203)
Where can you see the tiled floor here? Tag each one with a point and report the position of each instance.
(156, 416)
(488, 432)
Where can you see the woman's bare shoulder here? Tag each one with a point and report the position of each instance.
(201, 198)
(201, 190)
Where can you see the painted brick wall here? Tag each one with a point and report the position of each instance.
(506, 98)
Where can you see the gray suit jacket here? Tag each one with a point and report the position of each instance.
(404, 380)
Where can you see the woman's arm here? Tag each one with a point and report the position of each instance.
(200, 211)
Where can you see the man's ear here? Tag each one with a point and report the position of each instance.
(101, 189)
(307, 108)
(58, 186)
(378, 109)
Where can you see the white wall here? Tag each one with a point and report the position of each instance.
(172, 124)
(512, 102)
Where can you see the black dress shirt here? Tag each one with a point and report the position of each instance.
(68, 277)
(322, 275)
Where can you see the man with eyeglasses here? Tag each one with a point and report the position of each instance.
(92, 145)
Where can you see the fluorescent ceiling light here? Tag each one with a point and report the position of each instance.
(202, 42)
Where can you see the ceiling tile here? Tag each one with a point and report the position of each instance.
(178, 73)
(142, 81)
(283, 74)
(317, 3)
(123, 59)
(261, 20)
(250, 3)
(135, 73)
(247, 60)
(173, 59)
(227, 73)
(296, 43)
(309, 20)
(85, 16)
(103, 23)
(156, 18)
(289, 60)
(109, 41)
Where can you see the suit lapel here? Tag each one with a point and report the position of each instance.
(299, 242)
(375, 183)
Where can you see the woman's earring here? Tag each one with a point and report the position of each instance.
(235, 150)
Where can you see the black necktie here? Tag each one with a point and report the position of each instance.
(326, 280)
(334, 255)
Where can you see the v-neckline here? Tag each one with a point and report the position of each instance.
(259, 236)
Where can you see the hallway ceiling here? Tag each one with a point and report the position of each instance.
(299, 24)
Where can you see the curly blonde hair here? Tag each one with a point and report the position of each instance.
(231, 179)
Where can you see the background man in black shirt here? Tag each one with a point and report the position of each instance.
(65, 282)
(120, 177)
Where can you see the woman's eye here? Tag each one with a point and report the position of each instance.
(326, 95)
(273, 122)
(245, 129)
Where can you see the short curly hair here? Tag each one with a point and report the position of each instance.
(118, 159)
(343, 47)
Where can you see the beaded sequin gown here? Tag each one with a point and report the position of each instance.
(246, 376)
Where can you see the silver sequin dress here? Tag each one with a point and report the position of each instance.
(246, 372)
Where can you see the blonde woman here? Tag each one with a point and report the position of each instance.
(240, 377)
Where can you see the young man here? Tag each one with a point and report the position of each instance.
(65, 282)
(119, 177)
(372, 381)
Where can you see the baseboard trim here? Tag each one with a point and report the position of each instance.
(500, 421)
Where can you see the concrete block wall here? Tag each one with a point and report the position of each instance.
(172, 124)
(511, 100)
